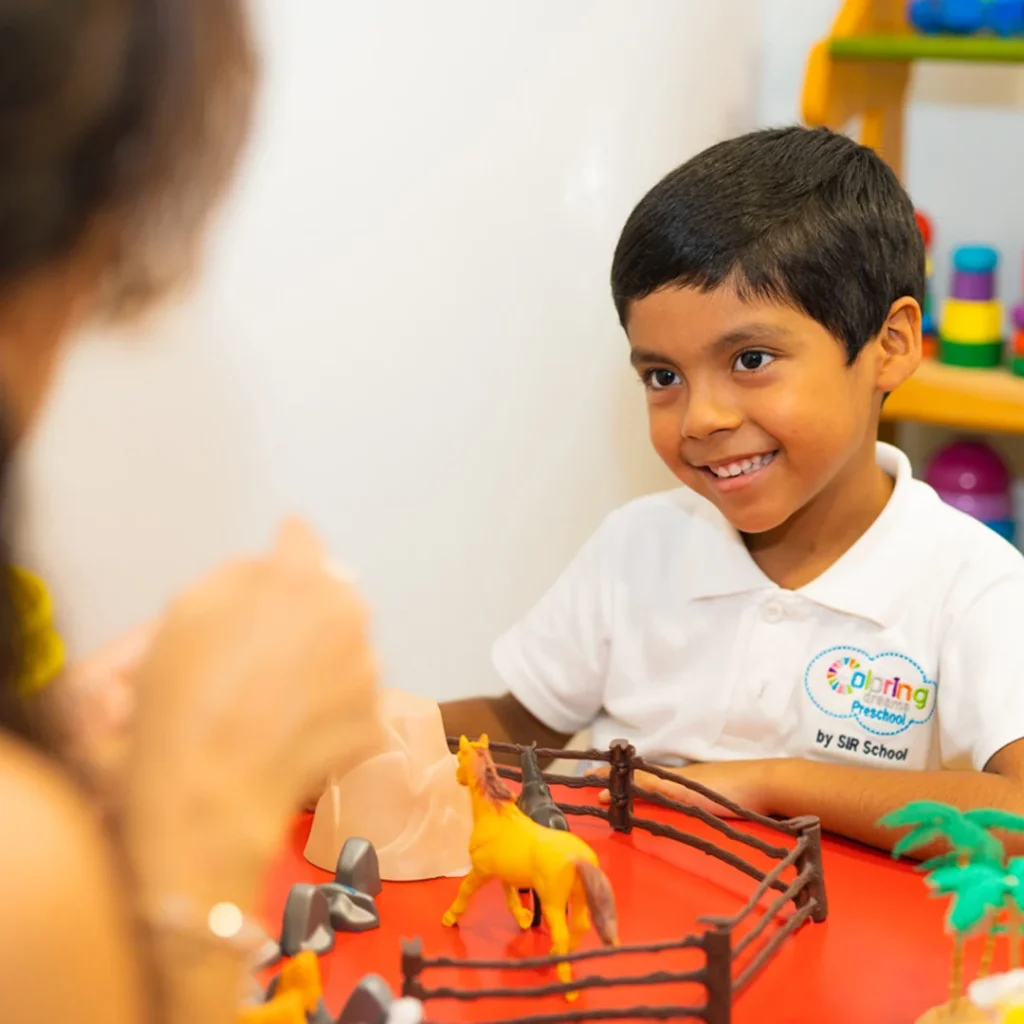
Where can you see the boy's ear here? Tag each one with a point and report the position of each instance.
(899, 344)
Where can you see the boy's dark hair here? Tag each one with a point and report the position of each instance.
(800, 216)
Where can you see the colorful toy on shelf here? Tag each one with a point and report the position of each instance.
(987, 898)
(971, 326)
(970, 476)
(1017, 363)
(929, 332)
(967, 17)
(508, 846)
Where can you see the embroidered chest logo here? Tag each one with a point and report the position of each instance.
(885, 694)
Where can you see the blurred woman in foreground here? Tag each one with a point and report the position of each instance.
(120, 124)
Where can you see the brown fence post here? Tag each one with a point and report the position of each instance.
(810, 830)
(620, 784)
(412, 965)
(717, 943)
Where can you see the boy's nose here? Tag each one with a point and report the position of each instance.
(706, 413)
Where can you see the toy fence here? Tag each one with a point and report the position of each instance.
(721, 976)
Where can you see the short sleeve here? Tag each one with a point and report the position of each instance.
(981, 675)
(554, 662)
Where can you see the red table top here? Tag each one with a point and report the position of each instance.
(881, 957)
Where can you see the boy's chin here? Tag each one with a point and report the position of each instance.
(758, 518)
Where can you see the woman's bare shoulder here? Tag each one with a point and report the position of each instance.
(67, 933)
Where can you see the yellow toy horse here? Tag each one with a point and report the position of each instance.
(558, 866)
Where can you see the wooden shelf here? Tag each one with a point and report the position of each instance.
(972, 400)
(908, 46)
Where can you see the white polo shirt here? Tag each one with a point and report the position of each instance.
(906, 653)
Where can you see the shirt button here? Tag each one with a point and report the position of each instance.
(773, 612)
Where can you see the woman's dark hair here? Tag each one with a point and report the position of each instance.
(800, 216)
(120, 124)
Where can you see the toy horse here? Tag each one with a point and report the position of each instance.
(560, 867)
(536, 802)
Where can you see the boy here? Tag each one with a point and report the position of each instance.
(803, 627)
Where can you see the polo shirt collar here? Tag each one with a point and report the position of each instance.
(721, 566)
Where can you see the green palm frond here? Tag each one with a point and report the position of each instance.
(953, 878)
(979, 890)
(918, 812)
(973, 907)
(987, 817)
(917, 837)
(1015, 882)
(930, 821)
(942, 861)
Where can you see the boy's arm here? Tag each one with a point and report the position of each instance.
(504, 720)
(849, 799)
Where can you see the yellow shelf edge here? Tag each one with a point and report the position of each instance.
(974, 400)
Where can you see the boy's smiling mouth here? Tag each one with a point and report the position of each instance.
(736, 472)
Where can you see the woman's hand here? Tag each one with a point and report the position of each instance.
(260, 684)
(93, 701)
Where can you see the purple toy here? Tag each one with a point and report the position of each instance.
(970, 476)
(1018, 316)
(973, 286)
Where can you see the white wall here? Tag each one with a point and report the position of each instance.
(405, 332)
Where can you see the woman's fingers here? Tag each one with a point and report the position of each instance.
(298, 547)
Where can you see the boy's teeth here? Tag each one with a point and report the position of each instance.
(742, 466)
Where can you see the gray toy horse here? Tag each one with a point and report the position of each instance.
(536, 802)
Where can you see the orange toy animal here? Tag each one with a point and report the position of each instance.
(560, 867)
(297, 994)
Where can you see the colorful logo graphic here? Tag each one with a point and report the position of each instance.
(884, 693)
(838, 674)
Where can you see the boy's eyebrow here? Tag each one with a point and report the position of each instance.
(744, 333)
(639, 356)
(748, 332)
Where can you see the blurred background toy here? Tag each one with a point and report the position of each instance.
(1017, 362)
(971, 324)
(929, 332)
(967, 17)
(972, 477)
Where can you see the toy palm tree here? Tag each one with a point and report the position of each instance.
(980, 892)
(1004, 821)
(929, 821)
(975, 874)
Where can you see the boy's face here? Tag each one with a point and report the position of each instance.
(753, 405)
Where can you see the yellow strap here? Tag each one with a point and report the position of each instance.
(44, 649)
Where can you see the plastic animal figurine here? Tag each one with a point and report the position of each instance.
(508, 846)
(296, 994)
(537, 803)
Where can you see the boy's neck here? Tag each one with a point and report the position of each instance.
(819, 534)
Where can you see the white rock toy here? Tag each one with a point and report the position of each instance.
(404, 799)
(1001, 996)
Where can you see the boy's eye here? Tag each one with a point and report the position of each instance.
(658, 380)
(752, 360)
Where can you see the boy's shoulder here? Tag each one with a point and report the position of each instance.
(944, 538)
